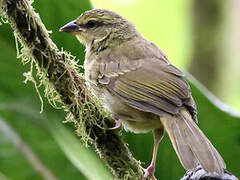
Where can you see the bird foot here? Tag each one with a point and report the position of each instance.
(118, 124)
(149, 172)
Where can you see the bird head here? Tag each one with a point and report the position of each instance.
(96, 25)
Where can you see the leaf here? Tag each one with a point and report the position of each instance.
(84, 159)
(33, 129)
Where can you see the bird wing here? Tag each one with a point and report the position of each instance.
(149, 84)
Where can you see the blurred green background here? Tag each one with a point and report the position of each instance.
(201, 37)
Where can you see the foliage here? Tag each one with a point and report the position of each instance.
(20, 106)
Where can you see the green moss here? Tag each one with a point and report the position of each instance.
(88, 111)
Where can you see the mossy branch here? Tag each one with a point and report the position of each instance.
(65, 84)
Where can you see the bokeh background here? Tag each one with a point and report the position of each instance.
(200, 37)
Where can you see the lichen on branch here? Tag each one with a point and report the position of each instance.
(65, 88)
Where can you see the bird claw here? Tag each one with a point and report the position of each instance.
(149, 172)
(118, 124)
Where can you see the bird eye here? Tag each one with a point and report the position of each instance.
(91, 24)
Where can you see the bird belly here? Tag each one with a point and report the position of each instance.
(132, 119)
(140, 127)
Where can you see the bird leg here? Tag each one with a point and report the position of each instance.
(157, 135)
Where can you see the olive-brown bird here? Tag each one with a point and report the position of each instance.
(141, 88)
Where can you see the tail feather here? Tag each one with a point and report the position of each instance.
(182, 149)
(191, 145)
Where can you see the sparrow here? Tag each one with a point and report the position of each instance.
(139, 86)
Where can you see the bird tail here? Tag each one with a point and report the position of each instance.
(191, 145)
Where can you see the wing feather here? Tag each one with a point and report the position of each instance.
(150, 84)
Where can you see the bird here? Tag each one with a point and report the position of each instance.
(141, 89)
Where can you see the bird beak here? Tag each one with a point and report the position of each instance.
(71, 27)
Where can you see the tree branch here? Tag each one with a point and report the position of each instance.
(69, 85)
